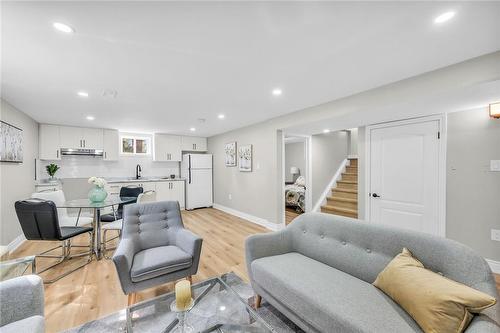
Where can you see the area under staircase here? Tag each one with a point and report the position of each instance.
(343, 199)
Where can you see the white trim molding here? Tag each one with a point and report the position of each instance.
(12, 246)
(494, 265)
(250, 218)
(330, 185)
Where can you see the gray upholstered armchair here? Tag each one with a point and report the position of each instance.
(155, 248)
(21, 305)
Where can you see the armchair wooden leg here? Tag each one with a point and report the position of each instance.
(258, 300)
(131, 298)
(190, 279)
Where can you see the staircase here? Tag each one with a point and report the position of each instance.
(344, 197)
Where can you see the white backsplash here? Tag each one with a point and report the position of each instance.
(87, 166)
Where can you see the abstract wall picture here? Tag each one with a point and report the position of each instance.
(230, 157)
(245, 157)
(11, 144)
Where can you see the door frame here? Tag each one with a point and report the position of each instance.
(442, 123)
(308, 173)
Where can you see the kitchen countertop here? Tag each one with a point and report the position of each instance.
(142, 180)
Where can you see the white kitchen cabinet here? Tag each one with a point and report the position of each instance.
(194, 143)
(170, 191)
(167, 148)
(92, 138)
(49, 142)
(111, 145)
(80, 137)
(114, 188)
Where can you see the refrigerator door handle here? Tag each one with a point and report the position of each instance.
(189, 168)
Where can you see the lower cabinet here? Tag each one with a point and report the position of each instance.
(170, 191)
(165, 190)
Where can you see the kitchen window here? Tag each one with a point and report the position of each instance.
(134, 145)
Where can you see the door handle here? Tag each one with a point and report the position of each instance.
(375, 195)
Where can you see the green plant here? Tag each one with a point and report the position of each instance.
(52, 169)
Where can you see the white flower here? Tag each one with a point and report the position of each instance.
(99, 182)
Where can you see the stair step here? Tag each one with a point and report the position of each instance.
(347, 184)
(346, 190)
(353, 161)
(344, 193)
(350, 176)
(342, 202)
(339, 211)
(351, 169)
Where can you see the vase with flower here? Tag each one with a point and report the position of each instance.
(97, 193)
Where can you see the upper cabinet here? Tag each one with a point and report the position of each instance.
(53, 137)
(49, 142)
(167, 148)
(193, 143)
(80, 137)
(111, 145)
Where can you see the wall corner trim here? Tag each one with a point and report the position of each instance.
(330, 185)
(494, 265)
(251, 218)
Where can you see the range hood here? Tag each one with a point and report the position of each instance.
(81, 152)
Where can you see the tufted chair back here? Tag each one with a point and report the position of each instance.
(152, 224)
(363, 249)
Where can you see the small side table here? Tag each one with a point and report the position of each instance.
(16, 267)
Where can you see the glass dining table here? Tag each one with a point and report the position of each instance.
(111, 201)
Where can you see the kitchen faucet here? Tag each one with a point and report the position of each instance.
(138, 171)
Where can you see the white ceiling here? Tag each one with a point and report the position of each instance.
(173, 63)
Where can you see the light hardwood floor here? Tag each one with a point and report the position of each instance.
(94, 291)
(290, 214)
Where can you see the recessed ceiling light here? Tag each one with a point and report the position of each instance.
(192, 129)
(90, 117)
(83, 94)
(444, 17)
(63, 27)
(277, 92)
(326, 131)
(221, 116)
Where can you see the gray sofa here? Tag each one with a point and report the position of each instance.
(318, 272)
(21, 305)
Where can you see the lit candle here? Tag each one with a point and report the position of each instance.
(183, 294)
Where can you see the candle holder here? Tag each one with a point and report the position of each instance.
(182, 326)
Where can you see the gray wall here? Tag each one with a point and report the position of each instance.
(472, 191)
(353, 141)
(17, 179)
(295, 157)
(328, 151)
(258, 192)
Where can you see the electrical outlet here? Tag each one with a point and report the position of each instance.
(495, 234)
(230, 196)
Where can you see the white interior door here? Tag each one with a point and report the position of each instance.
(404, 175)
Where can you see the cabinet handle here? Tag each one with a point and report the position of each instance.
(84, 144)
(195, 146)
(57, 152)
(105, 155)
(80, 143)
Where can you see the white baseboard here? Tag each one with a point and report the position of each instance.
(494, 265)
(12, 246)
(251, 218)
(328, 188)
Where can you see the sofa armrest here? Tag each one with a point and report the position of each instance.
(189, 243)
(266, 245)
(20, 298)
(123, 259)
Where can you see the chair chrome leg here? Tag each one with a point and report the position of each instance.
(65, 256)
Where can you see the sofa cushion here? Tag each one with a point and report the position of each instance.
(328, 299)
(34, 324)
(158, 261)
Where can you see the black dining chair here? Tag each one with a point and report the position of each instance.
(39, 221)
(126, 191)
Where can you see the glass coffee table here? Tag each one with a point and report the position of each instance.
(217, 308)
(17, 267)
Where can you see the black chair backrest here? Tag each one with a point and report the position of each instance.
(38, 219)
(129, 192)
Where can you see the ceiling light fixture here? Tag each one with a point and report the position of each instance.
(63, 27)
(495, 110)
(326, 131)
(221, 116)
(83, 94)
(444, 17)
(192, 129)
(90, 117)
(277, 92)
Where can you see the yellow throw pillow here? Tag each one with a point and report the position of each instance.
(435, 302)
